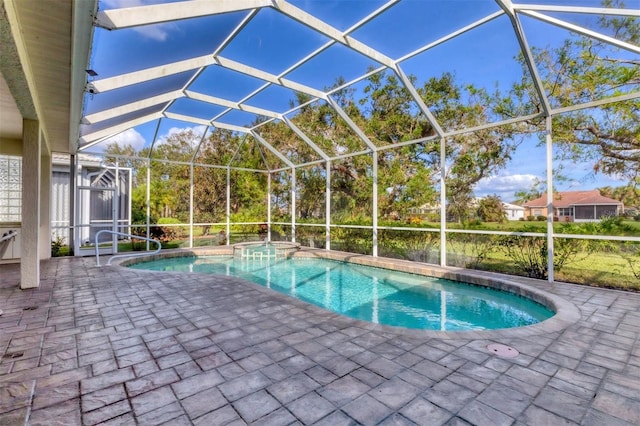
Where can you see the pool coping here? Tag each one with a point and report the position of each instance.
(566, 313)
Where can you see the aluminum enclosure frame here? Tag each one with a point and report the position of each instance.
(117, 19)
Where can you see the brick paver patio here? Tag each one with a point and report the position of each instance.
(112, 345)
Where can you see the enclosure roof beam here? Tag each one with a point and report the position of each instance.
(131, 107)
(411, 142)
(116, 19)
(300, 166)
(331, 32)
(451, 35)
(418, 99)
(187, 118)
(230, 104)
(135, 77)
(493, 125)
(264, 159)
(337, 157)
(155, 137)
(599, 102)
(272, 78)
(580, 30)
(93, 143)
(577, 9)
(119, 128)
(315, 53)
(507, 6)
(231, 127)
(235, 154)
(267, 145)
(351, 124)
(195, 152)
(305, 138)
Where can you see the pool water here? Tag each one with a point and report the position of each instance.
(373, 294)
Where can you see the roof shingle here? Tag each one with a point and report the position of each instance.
(572, 198)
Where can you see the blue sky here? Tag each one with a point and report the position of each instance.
(483, 57)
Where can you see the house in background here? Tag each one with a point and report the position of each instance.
(575, 206)
(513, 212)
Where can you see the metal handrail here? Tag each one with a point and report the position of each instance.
(122, 234)
(6, 240)
(9, 235)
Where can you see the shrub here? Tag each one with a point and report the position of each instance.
(417, 246)
(630, 252)
(475, 222)
(541, 218)
(56, 245)
(531, 255)
(435, 217)
(613, 225)
(531, 218)
(491, 209)
(171, 233)
(471, 249)
(637, 218)
(155, 232)
(414, 220)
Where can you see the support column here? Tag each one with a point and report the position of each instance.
(443, 202)
(374, 207)
(269, 207)
(116, 210)
(30, 244)
(73, 172)
(327, 207)
(293, 205)
(148, 201)
(228, 206)
(191, 206)
(45, 203)
(550, 249)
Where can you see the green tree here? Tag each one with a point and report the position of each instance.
(584, 69)
(628, 194)
(527, 195)
(412, 172)
(491, 209)
(470, 157)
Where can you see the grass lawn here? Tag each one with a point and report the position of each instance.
(630, 228)
(598, 269)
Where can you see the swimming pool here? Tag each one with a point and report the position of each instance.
(373, 294)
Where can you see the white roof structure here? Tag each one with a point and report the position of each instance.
(238, 64)
(510, 206)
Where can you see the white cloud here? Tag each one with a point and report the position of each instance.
(128, 137)
(505, 186)
(158, 32)
(197, 134)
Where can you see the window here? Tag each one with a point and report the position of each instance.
(537, 212)
(568, 211)
(10, 188)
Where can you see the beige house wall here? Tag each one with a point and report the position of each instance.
(535, 211)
